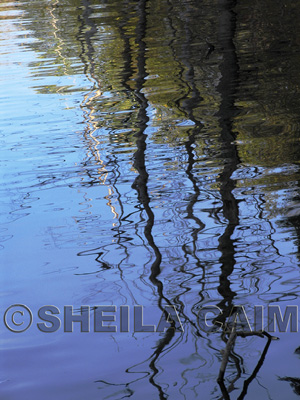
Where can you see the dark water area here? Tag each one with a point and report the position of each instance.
(150, 155)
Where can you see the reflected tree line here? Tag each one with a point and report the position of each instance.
(196, 49)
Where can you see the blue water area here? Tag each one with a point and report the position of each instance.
(150, 157)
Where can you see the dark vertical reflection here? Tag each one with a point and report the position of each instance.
(140, 183)
(255, 371)
(227, 111)
(225, 391)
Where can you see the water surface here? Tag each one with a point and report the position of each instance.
(149, 156)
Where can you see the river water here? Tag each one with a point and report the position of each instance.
(149, 156)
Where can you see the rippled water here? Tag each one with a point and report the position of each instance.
(149, 156)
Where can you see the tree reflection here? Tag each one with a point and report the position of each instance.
(162, 82)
